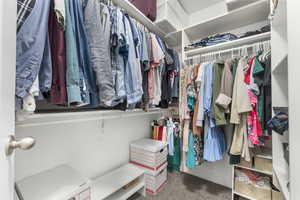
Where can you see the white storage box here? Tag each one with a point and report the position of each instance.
(60, 183)
(147, 153)
(156, 179)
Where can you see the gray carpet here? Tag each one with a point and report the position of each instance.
(187, 187)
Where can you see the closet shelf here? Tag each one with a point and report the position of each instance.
(139, 16)
(250, 14)
(280, 67)
(174, 38)
(110, 185)
(283, 180)
(125, 194)
(244, 196)
(82, 116)
(255, 170)
(230, 44)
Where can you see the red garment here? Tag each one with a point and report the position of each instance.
(247, 77)
(155, 132)
(160, 133)
(58, 93)
(250, 174)
(254, 127)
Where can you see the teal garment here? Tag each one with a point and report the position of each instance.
(191, 102)
(174, 161)
(191, 154)
(72, 71)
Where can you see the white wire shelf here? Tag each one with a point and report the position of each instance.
(244, 196)
(255, 170)
(229, 44)
(83, 116)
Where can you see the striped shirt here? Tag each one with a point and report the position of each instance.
(24, 9)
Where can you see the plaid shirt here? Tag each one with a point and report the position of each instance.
(24, 9)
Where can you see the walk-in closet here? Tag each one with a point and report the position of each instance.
(149, 100)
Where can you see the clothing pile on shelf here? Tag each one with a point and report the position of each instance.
(280, 122)
(213, 40)
(218, 95)
(264, 29)
(86, 53)
(225, 37)
(168, 130)
(253, 184)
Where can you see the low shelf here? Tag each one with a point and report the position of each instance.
(110, 186)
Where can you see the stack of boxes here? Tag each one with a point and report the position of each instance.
(151, 155)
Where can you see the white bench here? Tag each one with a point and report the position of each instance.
(110, 186)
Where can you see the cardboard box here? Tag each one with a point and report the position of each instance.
(277, 195)
(156, 180)
(250, 190)
(245, 163)
(147, 153)
(264, 164)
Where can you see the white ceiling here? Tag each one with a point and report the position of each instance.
(234, 4)
(195, 5)
(192, 6)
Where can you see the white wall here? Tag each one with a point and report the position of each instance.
(293, 30)
(192, 6)
(92, 148)
(206, 13)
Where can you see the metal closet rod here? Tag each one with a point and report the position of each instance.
(241, 51)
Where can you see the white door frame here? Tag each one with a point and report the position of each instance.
(8, 14)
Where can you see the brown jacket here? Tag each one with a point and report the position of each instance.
(196, 129)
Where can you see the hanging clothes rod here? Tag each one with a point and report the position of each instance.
(139, 16)
(232, 52)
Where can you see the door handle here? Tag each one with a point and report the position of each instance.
(13, 144)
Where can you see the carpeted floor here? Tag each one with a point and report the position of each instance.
(186, 187)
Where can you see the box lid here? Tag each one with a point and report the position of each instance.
(55, 184)
(154, 172)
(149, 145)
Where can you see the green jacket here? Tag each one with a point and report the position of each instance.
(218, 113)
